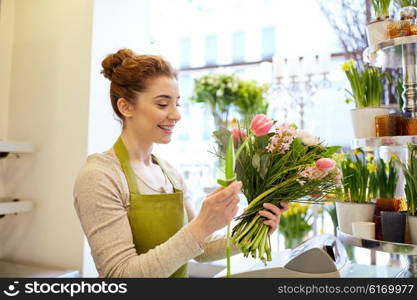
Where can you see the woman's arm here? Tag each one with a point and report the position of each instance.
(98, 202)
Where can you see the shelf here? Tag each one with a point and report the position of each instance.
(11, 206)
(13, 270)
(388, 54)
(384, 141)
(15, 147)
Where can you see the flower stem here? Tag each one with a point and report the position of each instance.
(228, 251)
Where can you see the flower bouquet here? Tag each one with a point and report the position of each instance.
(283, 165)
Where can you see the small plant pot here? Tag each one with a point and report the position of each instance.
(348, 212)
(376, 32)
(384, 204)
(410, 126)
(412, 228)
(393, 226)
(363, 120)
(388, 125)
(398, 29)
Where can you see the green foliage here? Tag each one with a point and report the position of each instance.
(221, 92)
(410, 175)
(367, 85)
(386, 178)
(405, 3)
(381, 8)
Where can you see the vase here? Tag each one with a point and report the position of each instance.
(388, 125)
(349, 212)
(393, 226)
(376, 32)
(412, 228)
(384, 204)
(363, 120)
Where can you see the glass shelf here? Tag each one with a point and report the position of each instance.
(375, 142)
(407, 251)
(388, 54)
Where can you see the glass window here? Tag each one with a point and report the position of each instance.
(238, 46)
(268, 42)
(211, 50)
(185, 52)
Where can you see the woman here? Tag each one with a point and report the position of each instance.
(133, 206)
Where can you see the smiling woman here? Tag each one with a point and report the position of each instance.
(134, 207)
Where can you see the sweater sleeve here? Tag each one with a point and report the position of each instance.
(98, 202)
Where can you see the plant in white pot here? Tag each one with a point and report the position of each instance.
(356, 192)
(410, 175)
(367, 89)
(376, 30)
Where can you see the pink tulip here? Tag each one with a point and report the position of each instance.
(236, 133)
(325, 164)
(261, 124)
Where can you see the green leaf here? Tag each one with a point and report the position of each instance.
(230, 159)
(256, 161)
(331, 150)
(226, 182)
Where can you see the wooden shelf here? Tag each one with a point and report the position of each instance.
(11, 206)
(7, 147)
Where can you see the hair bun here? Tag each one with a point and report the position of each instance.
(112, 61)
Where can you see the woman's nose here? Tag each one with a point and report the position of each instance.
(174, 114)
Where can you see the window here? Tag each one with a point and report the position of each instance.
(268, 42)
(185, 52)
(238, 46)
(211, 50)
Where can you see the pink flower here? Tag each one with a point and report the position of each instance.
(261, 124)
(236, 133)
(325, 164)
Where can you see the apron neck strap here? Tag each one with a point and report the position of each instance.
(123, 156)
(164, 170)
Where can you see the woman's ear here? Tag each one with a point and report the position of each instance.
(125, 107)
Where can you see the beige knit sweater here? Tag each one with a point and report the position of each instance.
(101, 200)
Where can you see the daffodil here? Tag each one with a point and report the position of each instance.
(352, 165)
(370, 157)
(348, 65)
(371, 167)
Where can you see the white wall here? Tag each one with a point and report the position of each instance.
(116, 25)
(47, 105)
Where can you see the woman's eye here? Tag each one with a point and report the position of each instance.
(163, 105)
(178, 105)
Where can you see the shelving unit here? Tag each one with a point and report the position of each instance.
(7, 147)
(14, 205)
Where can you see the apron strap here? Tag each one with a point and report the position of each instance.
(167, 174)
(123, 156)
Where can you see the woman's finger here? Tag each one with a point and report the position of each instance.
(232, 201)
(268, 215)
(285, 206)
(227, 192)
(272, 226)
(272, 208)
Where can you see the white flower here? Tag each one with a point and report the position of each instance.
(307, 138)
(219, 93)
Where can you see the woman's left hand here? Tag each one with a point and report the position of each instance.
(273, 214)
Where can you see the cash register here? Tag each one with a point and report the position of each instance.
(320, 256)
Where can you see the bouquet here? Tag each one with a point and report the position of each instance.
(294, 224)
(284, 165)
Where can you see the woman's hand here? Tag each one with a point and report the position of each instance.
(273, 215)
(217, 210)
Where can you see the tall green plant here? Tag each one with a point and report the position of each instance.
(410, 175)
(367, 85)
(251, 100)
(386, 178)
(381, 8)
(405, 3)
(357, 183)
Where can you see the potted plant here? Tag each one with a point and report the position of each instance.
(251, 100)
(377, 28)
(367, 89)
(410, 175)
(294, 224)
(219, 91)
(356, 191)
(385, 178)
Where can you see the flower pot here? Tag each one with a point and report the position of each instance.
(384, 204)
(363, 120)
(398, 29)
(388, 125)
(348, 212)
(410, 126)
(393, 226)
(412, 228)
(376, 32)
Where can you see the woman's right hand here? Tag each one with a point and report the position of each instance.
(217, 210)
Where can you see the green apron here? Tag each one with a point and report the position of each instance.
(153, 218)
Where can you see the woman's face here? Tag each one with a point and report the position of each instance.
(156, 111)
